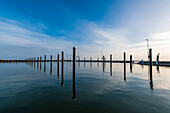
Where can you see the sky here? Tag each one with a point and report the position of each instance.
(32, 28)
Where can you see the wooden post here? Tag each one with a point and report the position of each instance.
(131, 59)
(37, 59)
(74, 73)
(110, 64)
(157, 60)
(103, 59)
(40, 59)
(44, 58)
(124, 66)
(51, 58)
(84, 59)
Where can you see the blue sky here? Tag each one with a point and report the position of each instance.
(31, 28)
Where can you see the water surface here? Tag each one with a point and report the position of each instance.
(101, 88)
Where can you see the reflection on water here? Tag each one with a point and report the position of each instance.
(44, 67)
(91, 87)
(40, 65)
(157, 68)
(58, 66)
(51, 66)
(62, 69)
(130, 67)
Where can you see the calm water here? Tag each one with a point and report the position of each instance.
(25, 88)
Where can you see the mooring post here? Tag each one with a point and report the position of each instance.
(84, 59)
(157, 60)
(74, 73)
(44, 58)
(58, 64)
(37, 59)
(131, 59)
(62, 69)
(40, 59)
(124, 66)
(51, 58)
(37, 62)
(110, 64)
(103, 59)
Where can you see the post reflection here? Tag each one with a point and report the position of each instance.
(34, 62)
(74, 74)
(37, 62)
(40, 65)
(58, 66)
(125, 72)
(130, 67)
(151, 81)
(62, 70)
(44, 67)
(157, 68)
(51, 68)
(103, 66)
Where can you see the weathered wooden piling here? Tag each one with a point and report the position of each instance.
(157, 60)
(62, 69)
(131, 61)
(58, 65)
(37, 59)
(44, 58)
(40, 58)
(103, 59)
(51, 58)
(74, 73)
(125, 66)
(110, 64)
